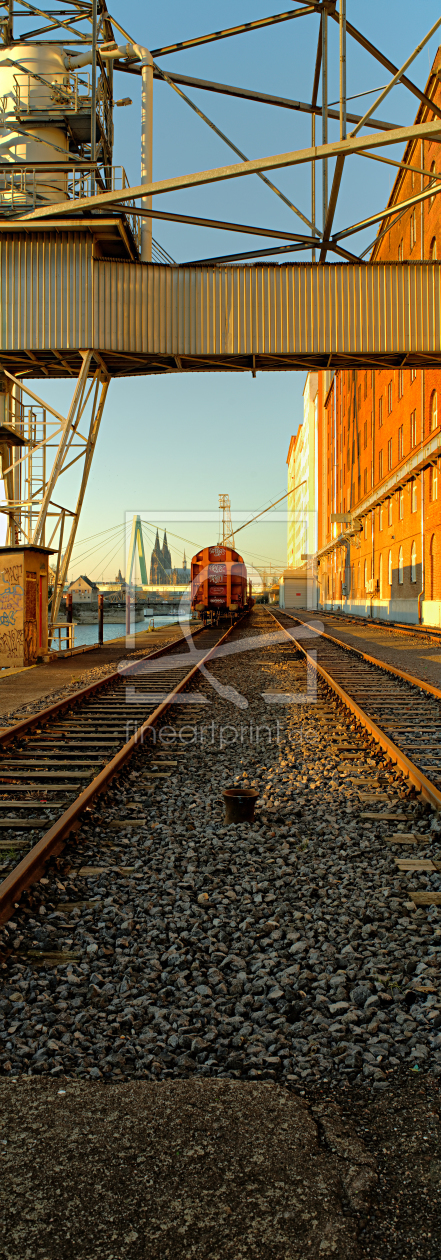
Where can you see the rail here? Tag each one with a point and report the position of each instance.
(403, 714)
(57, 766)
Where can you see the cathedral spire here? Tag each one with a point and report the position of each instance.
(166, 559)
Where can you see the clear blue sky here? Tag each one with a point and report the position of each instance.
(175, 443)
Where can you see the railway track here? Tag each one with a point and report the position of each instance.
(402, 713)
(55, 763)
(163, 942)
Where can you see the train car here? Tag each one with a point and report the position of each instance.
(219, 582)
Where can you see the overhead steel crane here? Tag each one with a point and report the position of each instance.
(88, 293)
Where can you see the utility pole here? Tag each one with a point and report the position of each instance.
(227, 524)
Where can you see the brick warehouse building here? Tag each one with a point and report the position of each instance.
(379, 446)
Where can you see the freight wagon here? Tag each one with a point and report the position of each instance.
(219, 582)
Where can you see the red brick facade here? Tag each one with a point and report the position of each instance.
(380, 438)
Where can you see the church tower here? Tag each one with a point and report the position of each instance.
(166, 560)
(156, 577)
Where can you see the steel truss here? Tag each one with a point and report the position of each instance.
(34, 517)
(88, 30)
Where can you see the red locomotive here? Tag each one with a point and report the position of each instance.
(219, 582)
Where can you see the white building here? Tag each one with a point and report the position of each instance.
(303, 480)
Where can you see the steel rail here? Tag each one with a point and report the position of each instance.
(412, 772)
(19, 729)
(399, 627)
(372, 660)
(29, 870)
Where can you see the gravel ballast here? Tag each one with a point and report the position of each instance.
(164, 946)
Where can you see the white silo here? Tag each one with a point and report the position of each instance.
(36, 90)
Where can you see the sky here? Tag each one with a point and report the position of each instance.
(168, 446)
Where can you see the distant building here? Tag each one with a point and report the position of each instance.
(303, 480)
(83, 590)
(161, 571)
(160, 563)
(181, 577)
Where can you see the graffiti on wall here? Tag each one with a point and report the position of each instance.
(11, 614)
(11, 644)
(11, 595)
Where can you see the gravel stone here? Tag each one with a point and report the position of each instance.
(279, 949)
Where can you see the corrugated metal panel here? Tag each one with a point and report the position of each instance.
(55, 297)
(46, 291)
(294, 309)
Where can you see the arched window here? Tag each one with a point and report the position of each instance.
(432, 250)
(432, 568)
(433, 410)
(389, 568)
(433, 173)
(413, 562)
(400, 567)
(380, 575)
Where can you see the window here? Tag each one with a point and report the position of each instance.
(365, 437)
(365, 384)
(433, 410)
(365, 523)
(372, 474)
(380, 412)
(389, 398)
(433, 484)
(413, 374)
(365, 484)
(413, 227)
(389, 512)
(400, 251)
(400, 505)
(380, 518)
(432, 567)
(380, 464)
(389, 454)
(432, 249)
(413, 496)
(400, 383)
(413, 562)
(400, 566)
(359, 397)
(413, 430)
(389, 568)
(433, 174)
(365, 575)
(400, 436)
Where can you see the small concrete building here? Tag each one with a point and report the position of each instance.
(298, 589)
(23, 605)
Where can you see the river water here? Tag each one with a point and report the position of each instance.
(85, 635)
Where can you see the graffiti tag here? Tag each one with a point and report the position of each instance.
(11, 644)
